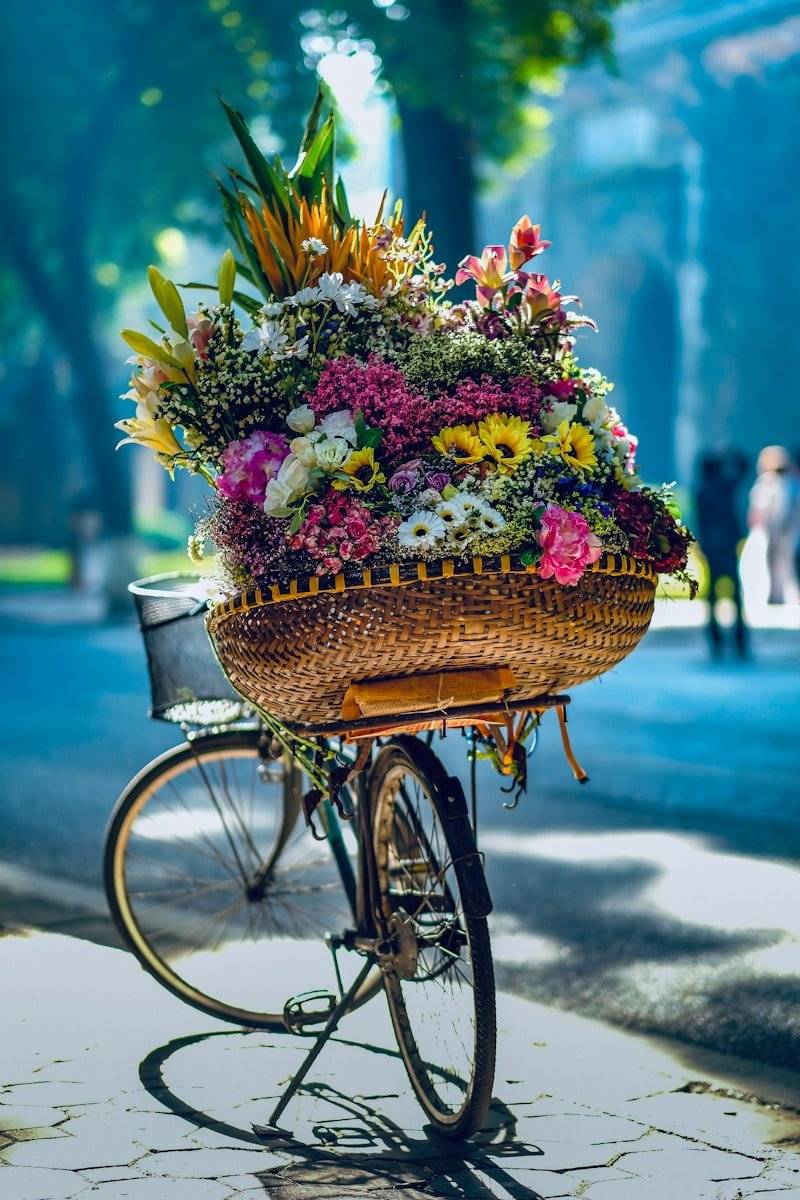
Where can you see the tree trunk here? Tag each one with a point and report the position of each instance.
(440, 180)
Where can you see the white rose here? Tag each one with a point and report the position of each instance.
(331, 453)
(303, 448)
(287, 486)
(562, 410)
(339, 425)
(595, 410)
(301, 419)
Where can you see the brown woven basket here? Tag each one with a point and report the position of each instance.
(294, 652)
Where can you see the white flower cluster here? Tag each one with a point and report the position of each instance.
(314, 246)
(450, 525)
(269, 336)
(324, 447)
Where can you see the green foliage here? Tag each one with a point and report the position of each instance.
(434, 363)
(226, 278)
(480, 63)
(168, 300)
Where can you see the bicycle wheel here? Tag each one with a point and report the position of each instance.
(217, 888)
(440, 986)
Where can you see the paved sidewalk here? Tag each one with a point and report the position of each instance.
(113, 1089)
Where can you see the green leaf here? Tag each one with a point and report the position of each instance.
(361, 427)
(158, 328)
(529, 557)
(297, 521)
(168, 300)
(341, 203)
(270, 183)
(367, 437)
(312, 124)
(140, 343)
(226, 278)
(236, 228)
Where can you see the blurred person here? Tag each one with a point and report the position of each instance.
(775, 513)
(84, 527)
(719, 531)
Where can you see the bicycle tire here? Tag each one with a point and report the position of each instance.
(217, 747)
(407, 758)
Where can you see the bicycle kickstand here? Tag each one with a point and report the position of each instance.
(272, 1130)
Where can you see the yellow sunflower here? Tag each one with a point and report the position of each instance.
(461, 443)
(361, 470)
(507, 440)
(574, 444)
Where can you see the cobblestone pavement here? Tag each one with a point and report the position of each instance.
(113, 1089)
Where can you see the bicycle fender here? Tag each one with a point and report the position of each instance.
(477, 899)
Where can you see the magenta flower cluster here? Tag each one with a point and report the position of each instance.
(249, 464)
(407, 419)
(338, 530)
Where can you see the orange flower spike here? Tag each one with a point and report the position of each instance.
(263, 249)
(282, 243)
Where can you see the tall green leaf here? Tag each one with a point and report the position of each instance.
(140, 343)
(226, 278)
(168, 300)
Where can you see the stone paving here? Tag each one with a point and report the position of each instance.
(113, 1089)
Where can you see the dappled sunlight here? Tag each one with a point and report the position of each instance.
(688, 881)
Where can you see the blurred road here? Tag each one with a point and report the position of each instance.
(663, 896)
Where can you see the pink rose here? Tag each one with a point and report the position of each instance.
(568, 545)
(356, 527)
(364, 546)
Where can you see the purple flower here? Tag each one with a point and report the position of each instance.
(438, 480)
(406, 477)
(249, 464)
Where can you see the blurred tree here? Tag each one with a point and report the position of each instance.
(464, 74)
(111, 123)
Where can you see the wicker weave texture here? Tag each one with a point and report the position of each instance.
(295, 659)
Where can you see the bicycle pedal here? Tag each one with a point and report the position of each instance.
(302, 1012)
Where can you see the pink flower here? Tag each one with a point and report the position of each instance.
(249, 464)
(568, 545)
(201, 329)
(525, 243)
(355, 527)
(488, 271)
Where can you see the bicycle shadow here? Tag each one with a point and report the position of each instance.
(355, 1144)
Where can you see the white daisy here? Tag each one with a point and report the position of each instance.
(274, 340)
(491, 521)
(314, 246)
(307, 295)
(330, 286)
(451, 512)
(421, 531)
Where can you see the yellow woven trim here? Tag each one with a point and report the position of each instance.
(609, 564)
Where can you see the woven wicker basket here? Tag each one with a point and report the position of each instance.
(294, 652)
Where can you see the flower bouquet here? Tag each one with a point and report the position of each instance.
(402, 483)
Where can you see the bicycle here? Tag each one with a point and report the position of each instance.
(387, 868)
